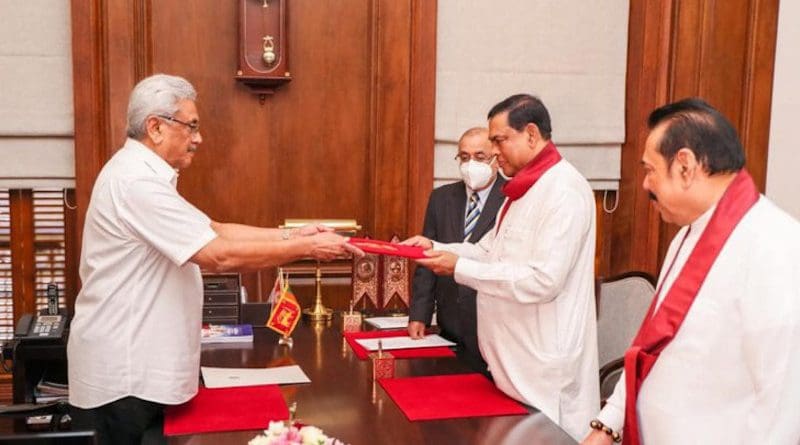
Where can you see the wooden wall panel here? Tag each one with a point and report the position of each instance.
(351, 136)
(722, 52)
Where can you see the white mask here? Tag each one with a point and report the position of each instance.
(476, 175)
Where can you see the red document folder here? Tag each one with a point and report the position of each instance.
(362, 353)
(226, 409)
(449, 397)
(386, 248)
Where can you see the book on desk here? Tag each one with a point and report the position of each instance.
(226, 333)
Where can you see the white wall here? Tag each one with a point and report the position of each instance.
(36, 112)
(783, 162)
(570, 53)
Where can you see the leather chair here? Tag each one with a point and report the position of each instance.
(622, 303)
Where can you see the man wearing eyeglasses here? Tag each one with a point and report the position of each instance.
(134, 343)
(462, 211)
(534, 273)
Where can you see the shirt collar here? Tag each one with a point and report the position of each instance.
(482, 194)
(154, 161)
(699, 225)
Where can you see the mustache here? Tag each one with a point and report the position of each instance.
(653, 197)
(191, 149)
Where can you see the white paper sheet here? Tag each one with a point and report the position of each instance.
(392, 322)
(388, 322)
(389, 343)
(232, 377)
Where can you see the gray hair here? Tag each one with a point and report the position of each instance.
(154, 95)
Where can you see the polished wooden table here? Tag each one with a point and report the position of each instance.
(343, 401)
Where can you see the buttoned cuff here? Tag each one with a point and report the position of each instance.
(612, 417)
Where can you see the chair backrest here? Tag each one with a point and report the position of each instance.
(623, 301)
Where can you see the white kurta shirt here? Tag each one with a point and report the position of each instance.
(731, 375)
(537, 327)
(136, 330)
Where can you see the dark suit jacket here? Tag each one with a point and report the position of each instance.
(455, 304)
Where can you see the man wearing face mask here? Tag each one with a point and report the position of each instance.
(534, 272)
(462, 211)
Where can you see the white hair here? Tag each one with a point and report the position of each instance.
(158, 94)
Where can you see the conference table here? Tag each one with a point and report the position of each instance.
(344, 401)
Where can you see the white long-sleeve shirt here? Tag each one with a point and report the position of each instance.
(536, 311)
(732, 373)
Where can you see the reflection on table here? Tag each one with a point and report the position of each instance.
(343, 401)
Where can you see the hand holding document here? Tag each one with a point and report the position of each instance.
(392, 343)
(232, 377)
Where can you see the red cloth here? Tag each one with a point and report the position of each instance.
(226, 409)
(658, 330)
(362, 353)
(449, 397)
(527, 177)
(386, 248)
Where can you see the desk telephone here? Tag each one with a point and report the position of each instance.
(48, 326)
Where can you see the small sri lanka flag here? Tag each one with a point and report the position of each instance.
(285, 311)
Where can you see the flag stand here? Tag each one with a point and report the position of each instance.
(286, 340)
(318, 312)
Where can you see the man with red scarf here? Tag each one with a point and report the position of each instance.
(717, 358)
(534, 273)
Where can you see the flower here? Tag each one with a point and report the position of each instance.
(279, 433)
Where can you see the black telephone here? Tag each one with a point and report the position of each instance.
(42, 327)
(48, 326)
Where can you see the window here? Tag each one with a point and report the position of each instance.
(6, 295)
(39, 214)
(48, 230)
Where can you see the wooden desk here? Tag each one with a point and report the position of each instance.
(344, 402)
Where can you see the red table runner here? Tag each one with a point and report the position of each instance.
(362, 353)
(226, 409)
(449, 397)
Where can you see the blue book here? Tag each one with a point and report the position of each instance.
(226, 333)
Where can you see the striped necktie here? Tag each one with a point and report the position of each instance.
(473, 212)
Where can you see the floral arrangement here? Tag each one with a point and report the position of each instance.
(279, 433)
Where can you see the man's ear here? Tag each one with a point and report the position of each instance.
(687, 165)
(532, 130)
(153, 129)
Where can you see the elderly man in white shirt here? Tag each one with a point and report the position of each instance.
(717, 358)
(534, 273)
(134, 343)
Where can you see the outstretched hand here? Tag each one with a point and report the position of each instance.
(313, 229)
(326, 246)
(439, 262)
(418, 241)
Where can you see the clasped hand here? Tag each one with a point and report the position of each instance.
(328, 245)
(438, 261)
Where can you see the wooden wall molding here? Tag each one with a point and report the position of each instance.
(721, 51)
(350, 137)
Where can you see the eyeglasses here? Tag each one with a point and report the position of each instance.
(477, 157)
(194, 127)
